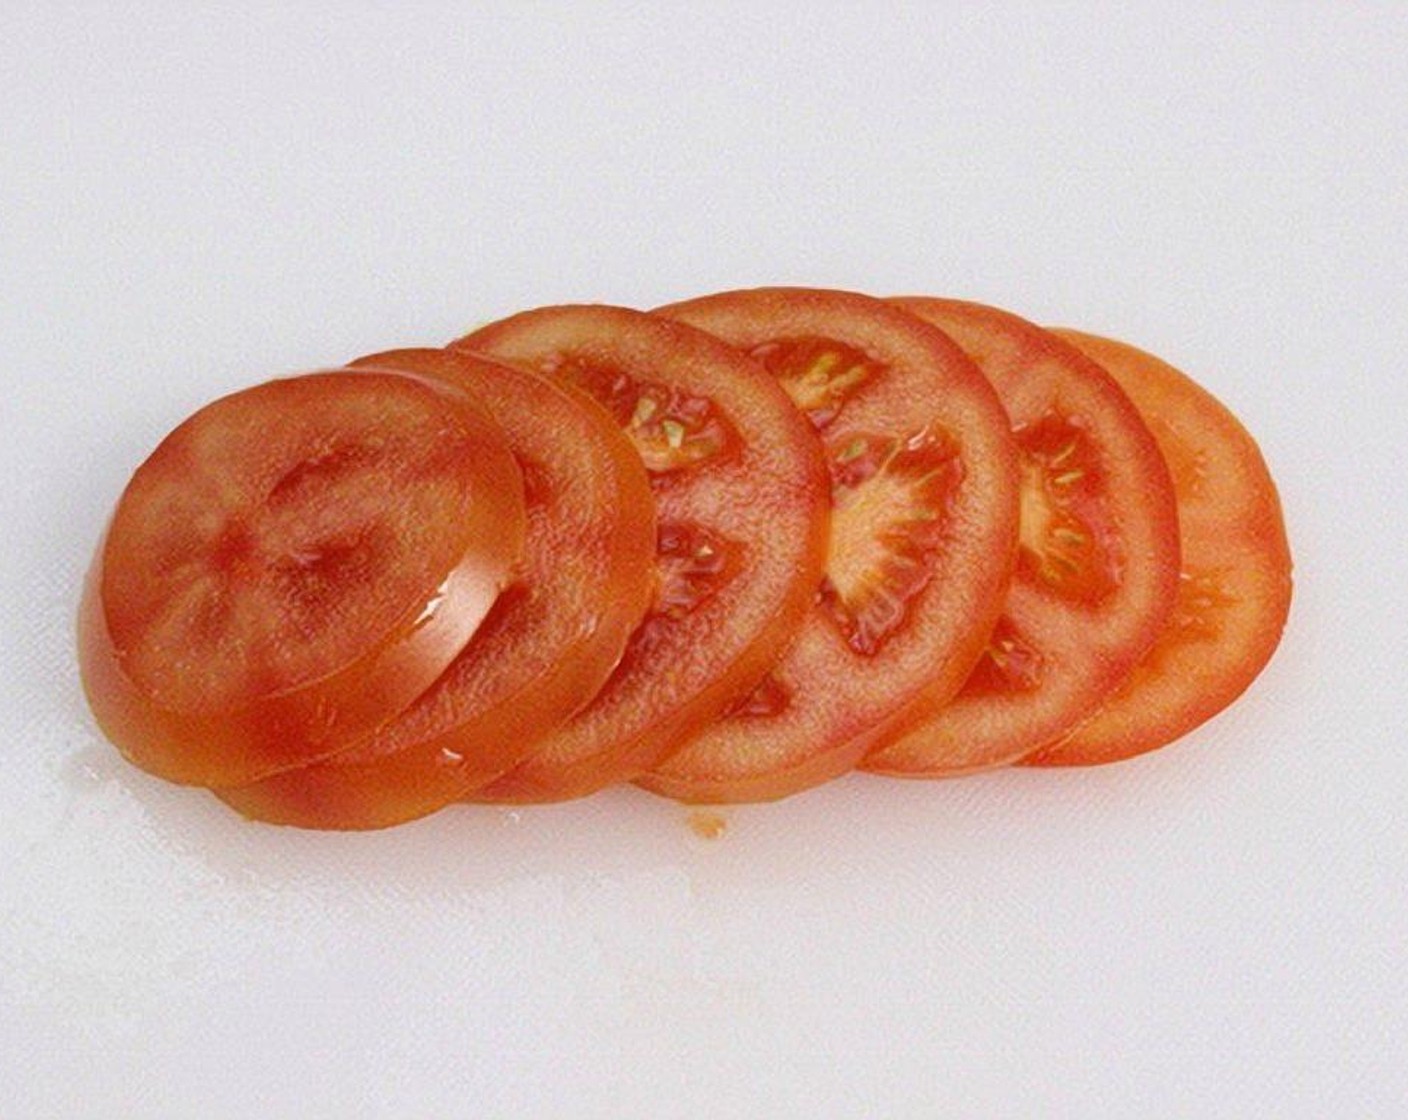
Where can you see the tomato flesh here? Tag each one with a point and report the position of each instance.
(583, 584)
(923, 529)
(1234, 589)
(740, 494)
(290, 568)
(1097, 564)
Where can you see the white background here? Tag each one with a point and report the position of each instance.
(194, 197)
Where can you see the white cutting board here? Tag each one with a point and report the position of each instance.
(193, 199)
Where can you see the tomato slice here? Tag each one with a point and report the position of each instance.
(741, 502)
(291, 567)
(583, 585)
(1097, 569)
(1234, 590)
(923, 533)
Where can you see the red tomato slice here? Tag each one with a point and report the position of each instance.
(291, 567)
(924, 527)
(585, 580)
(741, 497)
(1235, 588)
(1097, 570)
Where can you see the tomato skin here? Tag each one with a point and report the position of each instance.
(755, 496)
(847, 684)
(585, 579)
(284, 723)
(1235, 591)
(1062, 647)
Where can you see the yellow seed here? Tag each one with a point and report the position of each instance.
(819, 372)
(1064, 454)
(851, 378)
(853, 450)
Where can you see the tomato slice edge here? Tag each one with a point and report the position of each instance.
(1035, 373)
(1155, 707)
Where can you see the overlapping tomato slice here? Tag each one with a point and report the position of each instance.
(555, 635)
(741, 497)
(727, 550)
(292, 566)
(1234, 590)
(924, 524)
(1097, 570)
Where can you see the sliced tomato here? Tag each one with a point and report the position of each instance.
(741, 506)
(1097, 568)
(290, 568)
(585, 580)
(1234, 590)
(923, 532)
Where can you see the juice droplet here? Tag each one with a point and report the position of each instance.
(707, 824)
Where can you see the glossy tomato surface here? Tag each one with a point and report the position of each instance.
(741, 504)
(923, 530)
(555, 635)
(290, 568)
(1097, 567)
(1234, 590)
